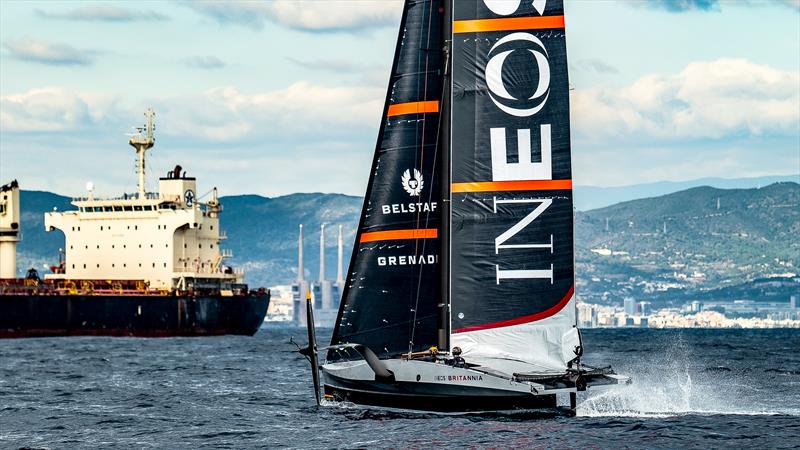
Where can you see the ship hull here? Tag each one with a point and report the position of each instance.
(130, 315)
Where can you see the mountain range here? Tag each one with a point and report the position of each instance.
(593, 197)
(682, 245)
(691, 244)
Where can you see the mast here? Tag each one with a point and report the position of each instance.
(444, 120)
(339, 277)
(300, 257)
(321, 254)
(142, 143)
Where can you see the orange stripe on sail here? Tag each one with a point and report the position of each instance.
(393, 235)
(399, 109)
(502, 186)
(508, 24)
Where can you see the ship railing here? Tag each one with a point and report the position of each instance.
(78, 287)
(134, 196)
(226, 253)
(223, 235)
(221, 269)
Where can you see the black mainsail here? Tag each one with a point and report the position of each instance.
(390, 301)
(512, 270)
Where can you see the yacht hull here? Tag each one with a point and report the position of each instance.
(434, 398)
(428, 386)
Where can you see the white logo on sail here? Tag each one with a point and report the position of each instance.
(412, 185)
(506, 7)
(494, 77)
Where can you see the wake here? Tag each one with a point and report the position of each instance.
(673, 386)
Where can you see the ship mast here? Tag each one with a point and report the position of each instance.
(143, 142)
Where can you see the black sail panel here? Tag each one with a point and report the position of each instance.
(511, 240)
(393, 286)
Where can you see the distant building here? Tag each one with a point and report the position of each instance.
(793, 302)
(299, 293)
(696, 306)
(281, 305)
(326, 294)
(300, 287)
(643, 308)
(587, 316)
(630, 306)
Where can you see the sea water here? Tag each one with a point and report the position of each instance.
(692, 388)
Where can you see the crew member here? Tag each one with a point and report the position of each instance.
(431, 356)
(457, 360)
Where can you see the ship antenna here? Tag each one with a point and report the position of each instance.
(142, 143)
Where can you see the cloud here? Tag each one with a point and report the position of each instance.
(301, 112)
(790, 3)
(295, 137)
(304, 15)
(205, 62)
(329, 65)
(367, 74)
(684, 5)
(597, 66)
(712, 5)
(53, 109)
(298, 112)
(104, 13)
(707, 100)
(793, 4)
(48, 53)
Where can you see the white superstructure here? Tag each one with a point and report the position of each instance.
(169, 239)
(9, 229)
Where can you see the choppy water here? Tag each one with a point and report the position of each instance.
(693, 388)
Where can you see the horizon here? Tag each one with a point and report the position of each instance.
(795, 176)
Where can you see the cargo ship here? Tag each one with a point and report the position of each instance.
(144, 264)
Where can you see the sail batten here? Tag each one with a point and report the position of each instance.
(510, 24)
(393, 235)
(423, 107)
(506, 186)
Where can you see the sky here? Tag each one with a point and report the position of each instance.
(285, 96)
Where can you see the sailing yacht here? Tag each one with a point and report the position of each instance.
(460, 294)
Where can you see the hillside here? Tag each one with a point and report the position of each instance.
(696, 240)
(38, 248)
(262, 232)
(673, 247)
(593, 197)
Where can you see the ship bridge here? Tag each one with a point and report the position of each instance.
(169, 239)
